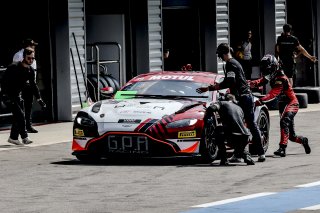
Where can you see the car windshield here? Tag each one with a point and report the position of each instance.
(167, 89)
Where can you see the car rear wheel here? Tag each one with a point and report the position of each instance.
(264, 126)
(208, 147)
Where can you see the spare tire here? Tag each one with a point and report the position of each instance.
(313, 93)
(113, 82)
(104, 81)
(303, 100)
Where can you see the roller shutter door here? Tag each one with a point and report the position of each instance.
(280, 15)
(222, 26)
(155, 35)
(76, 26)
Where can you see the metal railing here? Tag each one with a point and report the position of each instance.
(96, 62)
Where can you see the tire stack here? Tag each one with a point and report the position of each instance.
(313, 93)
(303, 100)
(104, 81)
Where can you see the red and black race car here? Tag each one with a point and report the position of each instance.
(156, 114)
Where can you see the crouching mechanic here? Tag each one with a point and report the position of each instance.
(233, 129)
(288, 102)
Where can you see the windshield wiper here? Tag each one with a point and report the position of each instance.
(175, 97)
(168, 96)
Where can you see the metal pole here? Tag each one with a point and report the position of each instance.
(83, 75)
(75, 72)
(98, 71)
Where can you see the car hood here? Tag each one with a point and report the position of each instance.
(137, 110)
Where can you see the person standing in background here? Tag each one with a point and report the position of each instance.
(286, 46)
(27, 93)
(244, 55)
(16, 76)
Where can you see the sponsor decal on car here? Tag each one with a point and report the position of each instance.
(136, 121)
(78, 132)
(187, 134)
(171, 77)
(166, 77)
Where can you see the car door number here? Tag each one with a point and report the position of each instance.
(128, 144)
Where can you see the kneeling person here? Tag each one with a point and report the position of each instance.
(233, 130)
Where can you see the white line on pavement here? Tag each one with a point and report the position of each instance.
(312, 208)
(309, 184)
(234, 199)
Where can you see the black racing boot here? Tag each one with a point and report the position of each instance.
(281, 151)
(305, 144)
(224, 162)
(234, 159)
(247, 158)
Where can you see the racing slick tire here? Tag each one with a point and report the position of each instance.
(303, 100)
(264, 126)
(313, 93)
(104, 81)
(208, 146)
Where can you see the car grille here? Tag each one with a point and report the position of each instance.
(131, 144)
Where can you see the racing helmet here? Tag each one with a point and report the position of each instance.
(269, 66)
(222, 49)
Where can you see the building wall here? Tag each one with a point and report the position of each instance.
(77, 53)
(143, 39)
(60, 41)
(155, 35)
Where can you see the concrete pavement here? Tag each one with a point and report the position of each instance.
(62, 132)
(48, 134)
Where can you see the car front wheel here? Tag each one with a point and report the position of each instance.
(208, 147)
(264, 126)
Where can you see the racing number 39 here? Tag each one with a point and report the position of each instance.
(128, 144)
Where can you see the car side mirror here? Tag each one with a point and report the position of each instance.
(107, 92)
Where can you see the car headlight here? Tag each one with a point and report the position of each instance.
(182, 123)
(96, 107)
(85, 121)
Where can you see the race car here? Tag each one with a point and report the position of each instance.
(157, 114)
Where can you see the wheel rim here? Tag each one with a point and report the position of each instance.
(210, 139)
(264, 129)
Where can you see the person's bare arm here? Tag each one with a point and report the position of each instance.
(306, 54)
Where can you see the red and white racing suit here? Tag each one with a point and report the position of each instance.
(288, 105)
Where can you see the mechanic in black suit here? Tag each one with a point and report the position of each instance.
(233, 129)
(236, 81)
(27, 93)
(16, 76)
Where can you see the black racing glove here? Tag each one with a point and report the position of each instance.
(42, 103)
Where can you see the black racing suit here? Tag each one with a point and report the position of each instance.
(233, 129)
(15, 78)
(287, 45)
(236, 81)
(27, 95)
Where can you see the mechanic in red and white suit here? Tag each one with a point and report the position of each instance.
(288, 102)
